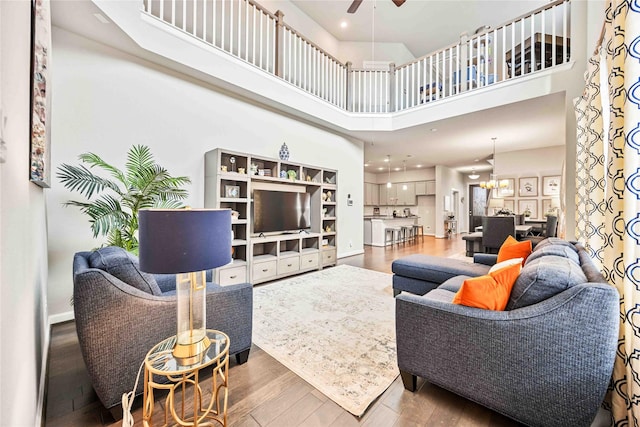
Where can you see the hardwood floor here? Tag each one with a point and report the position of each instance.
(263, 392)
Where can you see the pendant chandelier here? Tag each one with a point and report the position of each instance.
(494, 182)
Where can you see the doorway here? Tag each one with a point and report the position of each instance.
(477, 206)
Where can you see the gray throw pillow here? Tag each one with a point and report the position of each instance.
(124, 266)
(543, 278)
(553, 249)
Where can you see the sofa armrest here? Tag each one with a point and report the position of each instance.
(548, 364)
(486, 259)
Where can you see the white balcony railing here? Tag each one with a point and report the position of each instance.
(530, 43)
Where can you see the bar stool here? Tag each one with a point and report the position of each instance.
(391, 235)
(418, 230)
(407, 233)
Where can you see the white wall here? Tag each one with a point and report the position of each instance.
(23, 240)
(357, 52)
(108, 100)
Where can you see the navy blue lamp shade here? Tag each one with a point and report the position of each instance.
(184, 240)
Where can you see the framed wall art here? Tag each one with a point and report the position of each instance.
(508, 191)
(528, 186)
(510, 204)
(530, 205)
(40, 119)
(551, 185)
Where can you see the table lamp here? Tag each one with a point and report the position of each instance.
(496, 203)
(186, 242)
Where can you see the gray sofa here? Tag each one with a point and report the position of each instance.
(544, 361)
(121, 312)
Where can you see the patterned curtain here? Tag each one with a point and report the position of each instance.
(590, 179)
(615, 241)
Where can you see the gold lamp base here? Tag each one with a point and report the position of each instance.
(191, 353)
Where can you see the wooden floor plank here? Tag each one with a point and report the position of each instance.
(326, 414)
(296, 414)
(271, 408)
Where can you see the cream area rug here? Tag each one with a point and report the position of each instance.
(461, 256)
(335, 328)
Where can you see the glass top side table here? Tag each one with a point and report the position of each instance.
(163, 372)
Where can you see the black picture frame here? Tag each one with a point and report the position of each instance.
(40, 94)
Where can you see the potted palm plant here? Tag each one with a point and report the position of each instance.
(114, 210)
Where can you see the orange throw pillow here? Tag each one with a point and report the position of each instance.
(490, 292)
(511, 248)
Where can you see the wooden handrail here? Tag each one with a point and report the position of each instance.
(262, 9)
(306, 40)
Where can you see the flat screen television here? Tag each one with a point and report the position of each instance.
(280, 211)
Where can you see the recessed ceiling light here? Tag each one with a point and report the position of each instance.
(386, 160)
(366, 164)
(396, 169)
(418, 166)
(100, 17)
(380, 169)
(343, 24)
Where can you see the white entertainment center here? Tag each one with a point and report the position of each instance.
(230, 181)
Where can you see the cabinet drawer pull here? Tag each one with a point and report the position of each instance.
(264, 270)
(309, 260)
(233, 277)
(289, 265)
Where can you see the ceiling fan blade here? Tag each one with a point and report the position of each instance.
(354, 6)
(398, 2)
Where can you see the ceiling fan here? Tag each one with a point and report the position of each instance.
(356, 4)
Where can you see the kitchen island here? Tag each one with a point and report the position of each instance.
(374, 226)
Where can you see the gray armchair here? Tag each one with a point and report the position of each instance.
(495, 230)
(118, 321)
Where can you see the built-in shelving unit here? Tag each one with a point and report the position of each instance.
(231, 177)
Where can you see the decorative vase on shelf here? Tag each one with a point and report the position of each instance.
(284, 152)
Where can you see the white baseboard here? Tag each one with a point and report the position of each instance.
(352, 253)
(61, 317)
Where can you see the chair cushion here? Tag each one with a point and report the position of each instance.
(511, 248)
(124, 266)
(543, 278)
(490, 292)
